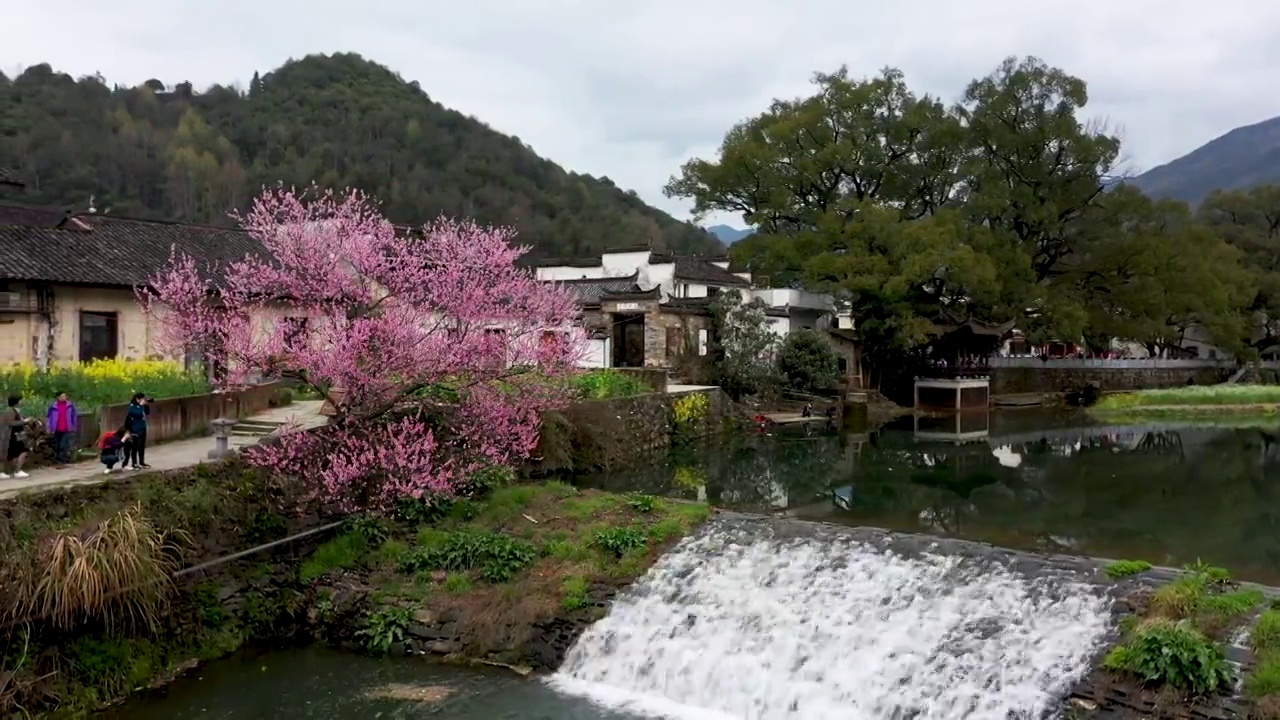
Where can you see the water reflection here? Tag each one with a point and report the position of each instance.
(326, 684)
(1028, 479)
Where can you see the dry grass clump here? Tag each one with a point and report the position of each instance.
(118, 571)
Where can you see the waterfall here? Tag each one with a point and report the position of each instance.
(742, 622)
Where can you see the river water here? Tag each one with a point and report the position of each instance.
(1035, 480)
(738, 624)
(324, 684)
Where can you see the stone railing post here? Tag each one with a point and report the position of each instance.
(222, 438)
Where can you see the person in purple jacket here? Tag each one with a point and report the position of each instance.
(64, 423)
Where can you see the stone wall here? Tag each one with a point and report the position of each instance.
(654, 378)
(670, 336)
(1010, 381)
(601, 434)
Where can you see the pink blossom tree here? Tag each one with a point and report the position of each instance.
(437, 352)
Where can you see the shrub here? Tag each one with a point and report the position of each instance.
(620, 540)
(1173, 654)
(385, 628)
(642, 503)
(689, 410)
(498, 557)
(807, 362)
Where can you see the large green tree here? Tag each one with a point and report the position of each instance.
(1250, 221)
(916, 215)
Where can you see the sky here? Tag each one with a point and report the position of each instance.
(632, 90)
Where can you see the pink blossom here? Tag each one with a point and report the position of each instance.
(447, 351)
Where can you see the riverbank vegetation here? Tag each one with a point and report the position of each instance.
(483, 578)
(100, 382)
(1174, 645)
(1192, 402)
(503, 572)
(92, 610)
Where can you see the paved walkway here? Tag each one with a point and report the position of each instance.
(165, 456)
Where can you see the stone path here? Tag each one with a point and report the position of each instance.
(165, 456)
(681, 389)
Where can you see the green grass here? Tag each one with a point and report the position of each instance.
(1193, 396)
(605, 384)
(1126, 568)
(1264, 681)
(575, 593)
(341, 553)
(1265, 637)
(1178, 640)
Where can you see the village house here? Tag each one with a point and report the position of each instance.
(643, 308)
(67, 280)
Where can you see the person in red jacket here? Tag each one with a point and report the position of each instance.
(113, 445)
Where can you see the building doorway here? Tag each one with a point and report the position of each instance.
(628, 340)
(99, 335)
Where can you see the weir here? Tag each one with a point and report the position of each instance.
(755, 619)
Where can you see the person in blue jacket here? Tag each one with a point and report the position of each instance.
(135, 421)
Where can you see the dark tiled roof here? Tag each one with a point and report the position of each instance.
(40, 244)
(653, 293)
(699, 306)
(9, 176)
(699, 270)
(975, 327)
(590, 290)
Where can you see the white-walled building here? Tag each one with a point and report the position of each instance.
(645, 308)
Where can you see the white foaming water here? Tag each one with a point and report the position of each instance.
(730, 627)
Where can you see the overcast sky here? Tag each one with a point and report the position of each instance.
(633, 89)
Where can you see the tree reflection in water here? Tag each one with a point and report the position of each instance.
(1040, 481)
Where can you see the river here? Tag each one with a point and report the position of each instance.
(1034, 480)
(1028, 479)
(324, 684)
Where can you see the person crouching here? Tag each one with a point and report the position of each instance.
(114, 446)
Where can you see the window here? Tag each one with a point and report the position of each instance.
(99, 335)
(703, 337)
(294, 330)
(712, 291)
(675, 342)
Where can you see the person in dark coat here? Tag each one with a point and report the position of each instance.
(13, 425)
(135, 422)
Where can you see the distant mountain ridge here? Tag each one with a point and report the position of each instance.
(729, 234)
(336, 120)
(1243, 158)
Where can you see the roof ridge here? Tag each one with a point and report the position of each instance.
(155, 221)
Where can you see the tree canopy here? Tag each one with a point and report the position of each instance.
(339, 121)
(1000, 208)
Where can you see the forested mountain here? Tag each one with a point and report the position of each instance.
(1244, 158)
(336, 120)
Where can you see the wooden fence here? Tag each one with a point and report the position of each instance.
(180, 417)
